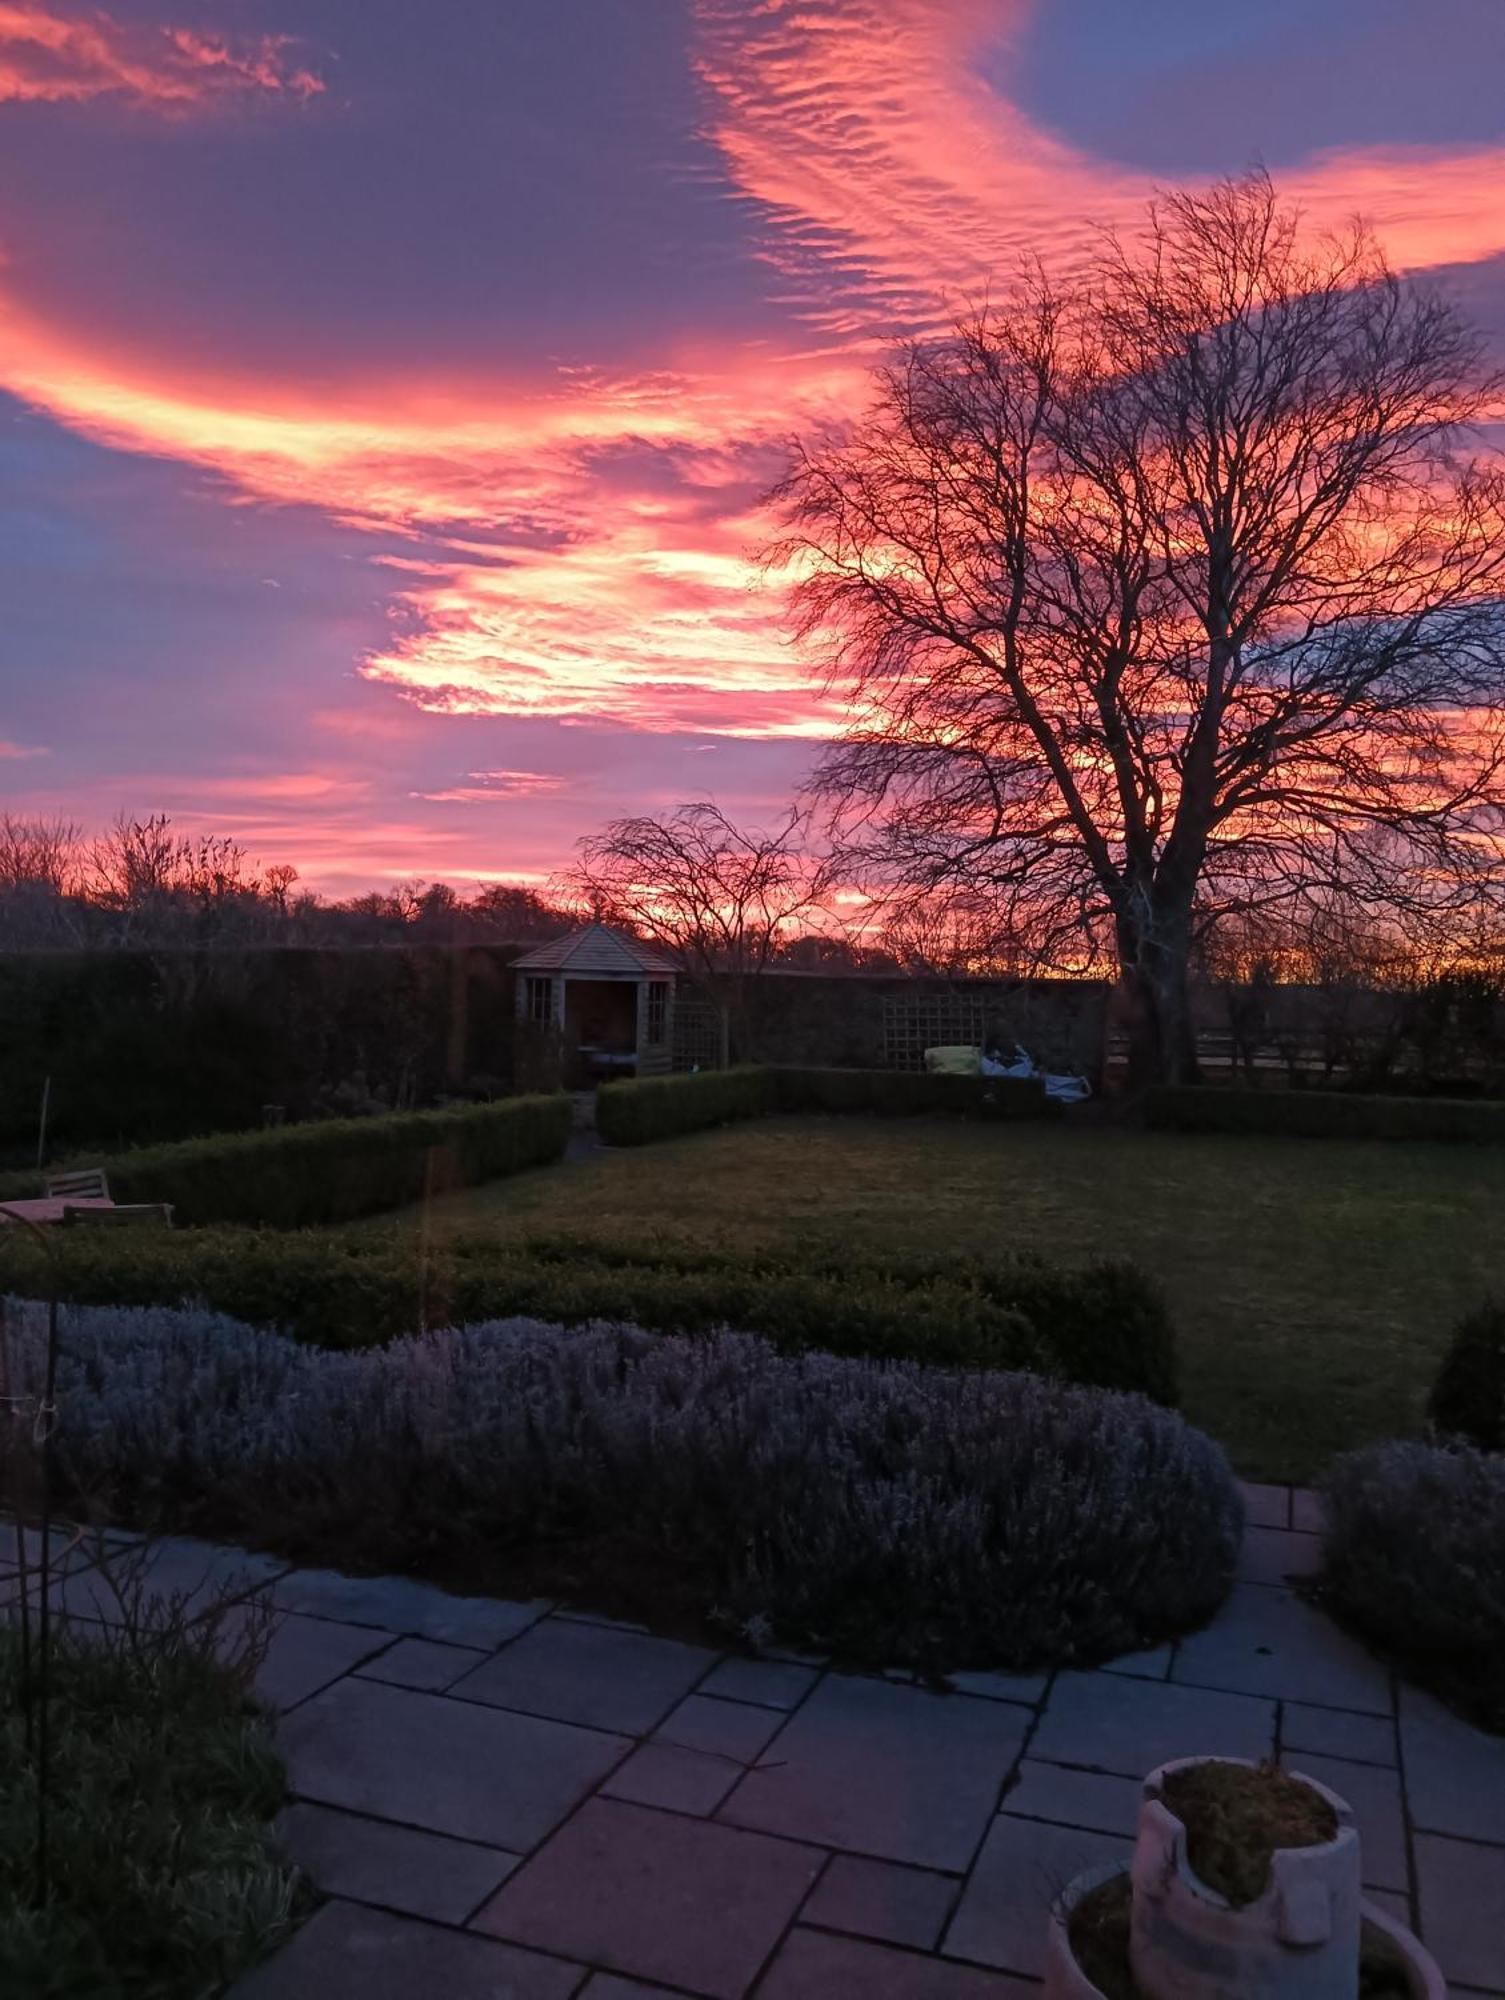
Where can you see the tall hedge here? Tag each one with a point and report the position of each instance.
(1323, 1114)
(296, 1176)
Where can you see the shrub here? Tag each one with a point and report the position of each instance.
(909, 1093)
(162, 1873)
(293, 1176)
(1323, 1114)
(1468, 1397)
(1414, 1563)
(894, 1512)
(1104, 1324)
(661, 1107)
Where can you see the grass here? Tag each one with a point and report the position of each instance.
(1313, 1283)
(162, 1785)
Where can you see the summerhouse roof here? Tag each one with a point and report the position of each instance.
(596, 952)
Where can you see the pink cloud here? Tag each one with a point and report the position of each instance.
(52, 56)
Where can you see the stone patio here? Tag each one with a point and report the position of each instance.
(515, 1802)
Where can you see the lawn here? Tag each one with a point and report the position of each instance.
(1313, 1282)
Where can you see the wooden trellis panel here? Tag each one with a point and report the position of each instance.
(928, 1021)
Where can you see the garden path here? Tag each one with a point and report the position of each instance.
(516, 1800)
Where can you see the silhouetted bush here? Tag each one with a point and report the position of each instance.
(292, 1176)
(1468, 1397)
(894, 1512)
(1323, 1114)
(1414, 1563)
(1103, 1324)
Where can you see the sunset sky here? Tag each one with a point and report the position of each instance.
(387, 391)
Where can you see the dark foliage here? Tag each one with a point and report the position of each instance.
(295, 1176)
(635, 1114)
(1103, 1324)
(1468, 1397)
(1414, 1563)
(895, 1513)
(1323, 1114)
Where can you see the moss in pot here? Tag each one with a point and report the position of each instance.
(1244, 1886)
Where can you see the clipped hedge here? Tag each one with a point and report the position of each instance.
(1103, 1324)
(895, 1513)
(1323, 1114)
(662, 1107)
(1468, 1397)
(297, 1176)
(1414, 1564)
(635, 1114)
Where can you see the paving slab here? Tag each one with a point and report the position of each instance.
(1027, 1689)
(1152, 1664)
(607, 1986)
(372, 1861)
(1375, 1796)
(770, 1683)
(402, 1604)
(723, 1728)
(1088, 1799)
(306, 1654)
(1337, 1732)
(1308, 1511)
(686, 1902)
(194, 1574)
(1270, 1555)
(1108, 1722)
(346, 1950)
(878, 1899)
(442, 1765)
(686, 1781)
(425, 1664)
(1461, 1890)
(816, 1965)
(1265, 1506)
(896, 1772)
(1455, 1774)
(595, 1674)
(1266, 1641)
(1023, 1866)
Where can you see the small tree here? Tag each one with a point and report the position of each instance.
(1167, 594)
(720, 899)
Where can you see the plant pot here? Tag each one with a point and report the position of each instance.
(1297, 1940)
(1065, 1979)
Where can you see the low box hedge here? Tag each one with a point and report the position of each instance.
(662, 1107)
(636, 1114)
(1104, 1324)
(300, 1176)
(1323, 1114)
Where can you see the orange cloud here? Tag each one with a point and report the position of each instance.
(50, 57)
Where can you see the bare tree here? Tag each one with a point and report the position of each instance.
(1167, 594)
(720, 899)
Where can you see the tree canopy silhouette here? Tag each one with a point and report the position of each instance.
(1169, 591)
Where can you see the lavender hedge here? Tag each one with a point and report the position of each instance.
(887, 1510)
(1414, 1564)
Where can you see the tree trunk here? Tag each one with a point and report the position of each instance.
(1162, 1039)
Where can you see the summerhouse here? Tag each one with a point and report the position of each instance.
(609, 997)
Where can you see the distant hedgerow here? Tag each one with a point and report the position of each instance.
(891, 1511)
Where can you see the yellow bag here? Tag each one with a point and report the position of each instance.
(954, 1061)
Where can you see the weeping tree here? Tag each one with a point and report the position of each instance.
(1168, 592)
(722, 899)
